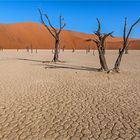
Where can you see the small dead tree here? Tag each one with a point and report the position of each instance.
(125, 44)
(63, 48)
(88, 49)
(1, 48)
(93, 52)
(31, 49)
(100, 46)
(73, 50)
(27, 49)
(54, 32)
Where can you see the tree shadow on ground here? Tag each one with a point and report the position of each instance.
(60, 65)
(71, 67)
(33, 60)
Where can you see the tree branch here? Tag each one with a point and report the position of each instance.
(99, 26)
(61, 26)
(124, 31)
(129, 32)
(42, 21)
(93, 40)
(49, 22)
(106, 35)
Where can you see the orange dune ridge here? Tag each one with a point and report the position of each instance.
(22, 35)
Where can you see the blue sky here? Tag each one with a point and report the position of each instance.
(80, 15)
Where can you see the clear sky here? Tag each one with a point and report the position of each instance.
(80, 15)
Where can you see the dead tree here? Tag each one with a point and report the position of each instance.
(53, 51)
(73, 50)
(63, 48)
(93, 52)
(125, 44)
(1, 48)
(54, 32)
(31, 49)
(88, 49)
(27, 48)
(100, 46)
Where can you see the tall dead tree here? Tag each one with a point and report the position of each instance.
(101, 37)
(54, 32)
(125, 43)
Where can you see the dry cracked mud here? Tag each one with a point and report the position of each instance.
(70, 100)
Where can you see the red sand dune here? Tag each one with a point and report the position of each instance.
(22, 35)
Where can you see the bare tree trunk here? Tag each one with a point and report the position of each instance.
(104, 51)
(93, 52)
(125, 44)
(100, 43)
(102, 60)
(31, 50)
(73, 50)
(86, 50)
(27, 48)
(54, 32)
(56, 52)
(63, 48)
(118, 61)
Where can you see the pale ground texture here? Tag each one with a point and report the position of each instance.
(69, 100)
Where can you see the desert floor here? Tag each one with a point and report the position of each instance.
(69, 100)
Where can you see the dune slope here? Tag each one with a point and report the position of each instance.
(22, 35)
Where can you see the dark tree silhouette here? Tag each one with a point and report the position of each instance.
(63, 48)
(88, 49)
(31, 49)
(125, 44)
(73, 50)
(54, 32)
(101, 37)
(27, 48)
